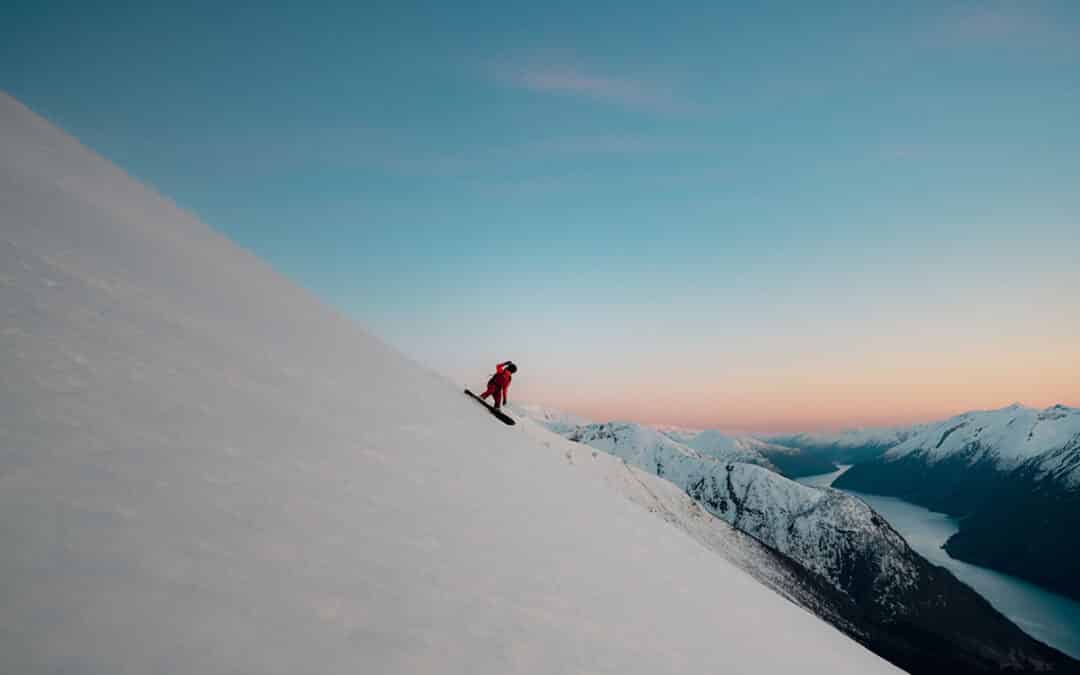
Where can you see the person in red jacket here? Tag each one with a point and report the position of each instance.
(499, 383)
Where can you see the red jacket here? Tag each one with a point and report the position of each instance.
(500, 381)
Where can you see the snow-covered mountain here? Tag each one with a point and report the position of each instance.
(647, 447)
(203, 469)
(674, 441)
(1049, 439)
(718, 444)
(1005, 470)
(888, 590)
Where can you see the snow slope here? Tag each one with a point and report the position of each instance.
(203, 469)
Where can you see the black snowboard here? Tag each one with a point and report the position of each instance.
(503, 417)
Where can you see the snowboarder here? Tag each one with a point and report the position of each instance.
(499, 383)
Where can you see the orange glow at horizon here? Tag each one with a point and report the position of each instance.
(910, 338)
(831, 394)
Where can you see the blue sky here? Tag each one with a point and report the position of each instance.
(697, 209)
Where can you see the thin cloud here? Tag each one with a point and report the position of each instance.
(612, 90)
(576, 82)
(613, 145)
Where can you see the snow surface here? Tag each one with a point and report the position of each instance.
(203, 469)
(1007, 437)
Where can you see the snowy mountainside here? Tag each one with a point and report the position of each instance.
(645, 446)
(646, 438)
(1006, 437)
(203, 469)
(858, 572)
(826, 530)
(677, 433)
(720, 445)
(1001, 470)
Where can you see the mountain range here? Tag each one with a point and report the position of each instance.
(917, 614)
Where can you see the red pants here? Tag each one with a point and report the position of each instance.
(495, 389)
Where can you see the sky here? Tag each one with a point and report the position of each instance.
(781, 217)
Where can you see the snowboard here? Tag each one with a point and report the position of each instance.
(503, 417)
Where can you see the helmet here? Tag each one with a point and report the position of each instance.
(511, 367)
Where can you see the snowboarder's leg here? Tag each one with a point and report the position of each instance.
(498, 393)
